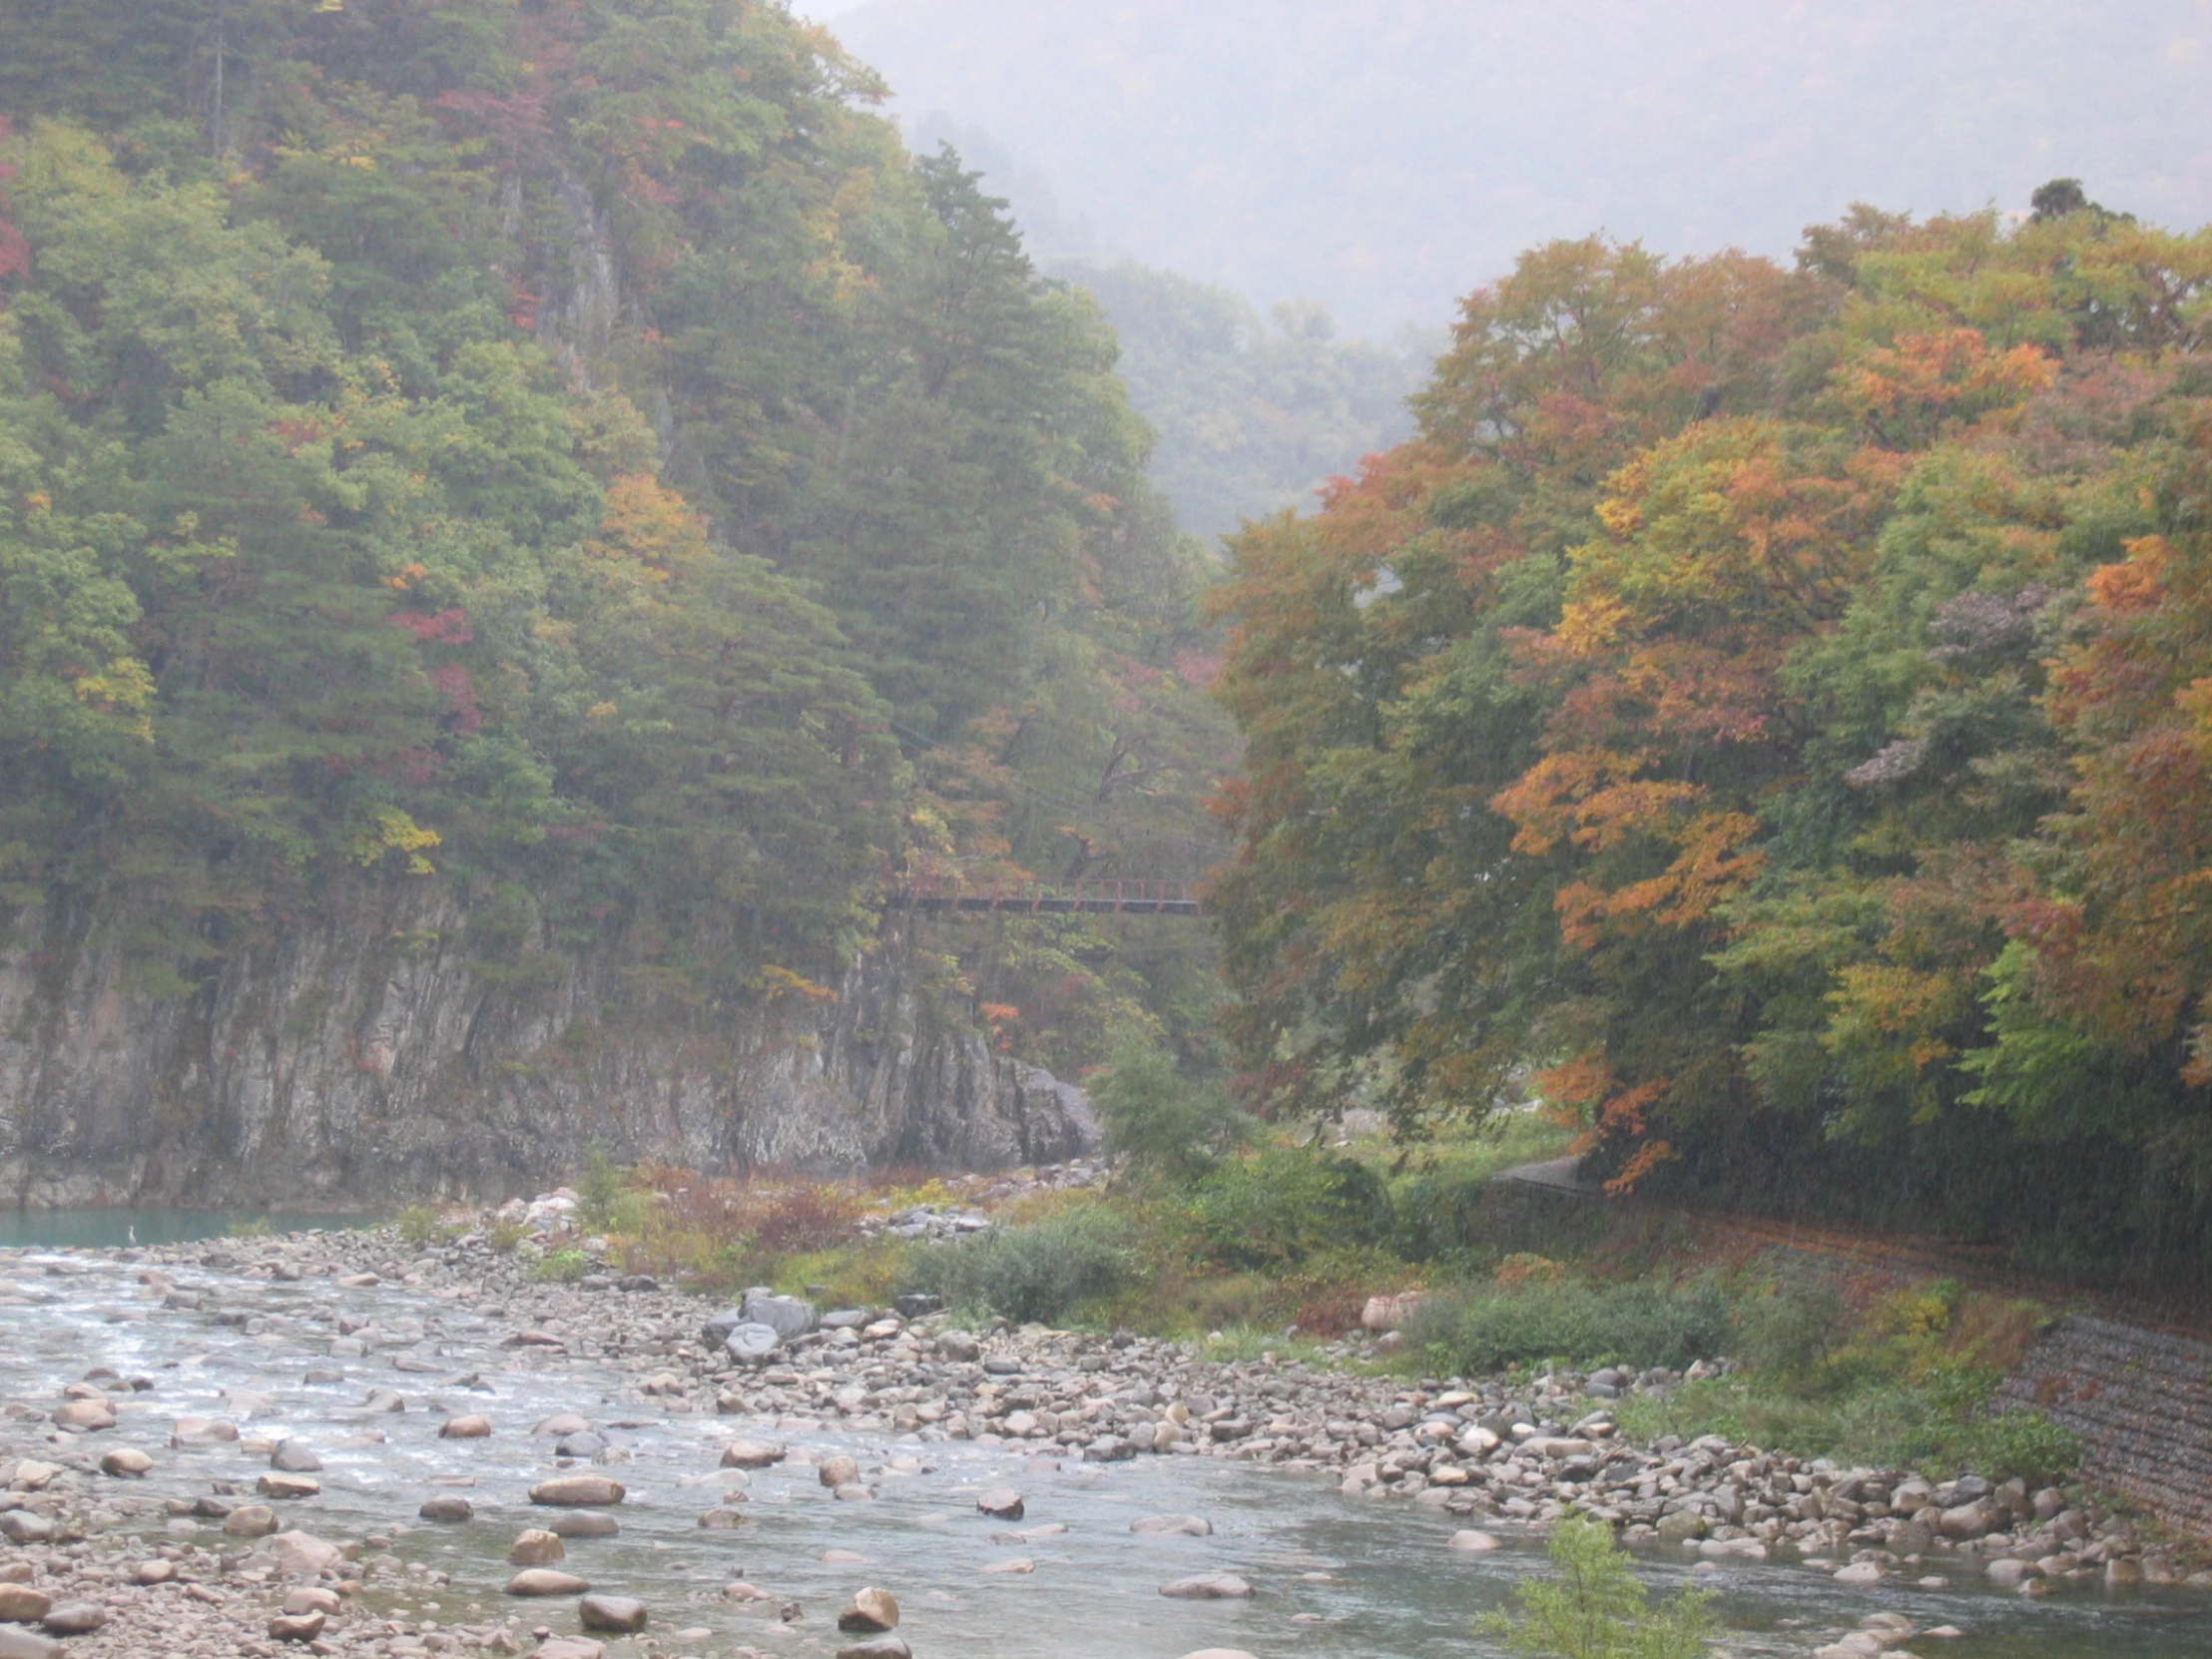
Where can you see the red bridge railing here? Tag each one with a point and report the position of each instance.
(1118, 895)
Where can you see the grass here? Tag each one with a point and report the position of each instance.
(1542, 1319)
(1938, 1430)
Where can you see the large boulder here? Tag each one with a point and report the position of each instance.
(786, 1316)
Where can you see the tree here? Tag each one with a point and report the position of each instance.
(1595, 1609)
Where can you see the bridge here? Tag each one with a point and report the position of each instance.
(1108, 895)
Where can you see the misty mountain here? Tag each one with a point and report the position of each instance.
(1384, 159)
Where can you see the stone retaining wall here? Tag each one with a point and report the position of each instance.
(2140, 1400)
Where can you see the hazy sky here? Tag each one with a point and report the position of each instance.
(1386, 156)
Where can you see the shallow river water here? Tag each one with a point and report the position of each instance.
(1336, 1576)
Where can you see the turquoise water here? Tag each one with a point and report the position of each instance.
(99, 1229)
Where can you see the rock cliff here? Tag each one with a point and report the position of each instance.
(364, 1055)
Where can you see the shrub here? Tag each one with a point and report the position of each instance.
(597, 1189)
(1793, 1327)
(1157, 1116)
(563, 1266)
(1044, 1272)
(1638, 1324)
(1286, 1205)
(419, 1225)
(504, 1236)
(1594, 1608)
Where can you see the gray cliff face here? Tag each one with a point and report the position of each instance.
(365, 1057)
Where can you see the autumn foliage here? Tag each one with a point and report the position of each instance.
(1765, 712)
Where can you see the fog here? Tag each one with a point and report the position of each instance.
(1383, 157)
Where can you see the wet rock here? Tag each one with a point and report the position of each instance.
(303, 1555)
(568, 1647)
(1001, 1503)
(581, 1491)
(196, 1431)
(723, 1520)
(750, 1454)
(20, 1605)
(31, 1475)
(1474, 1543)
(250, 1520)
(1219, 1653)
(1018, 1565)
(471, 1428)
(870, 1611)
(620, 1615)
(448, 1509)
(1173, 1527)
(298, 1627)
(1681, 1526)
(837, 1471)
(876, 1647)
(295, 1457)
(546, 1581)
(1860, 1572)
(583, 1523)
(959, 1347)
(751, 1344)
(563, 1423)
(27, 1644)
(1208, 1586)
(537, 1548)
(74, 1618)
(84, 1416)
(126, 1463)
(284, 1487)
(587, 1442)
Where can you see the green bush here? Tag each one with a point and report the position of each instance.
(1044, 1272)
(419, 1225)
(1793, 1327)
(599, 1189)
(563, 1266)
(1288, 1204)
(1161, 1119)
(1640, 1324)
(1592, 1607)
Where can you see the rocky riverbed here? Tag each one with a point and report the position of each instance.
(267, 1445)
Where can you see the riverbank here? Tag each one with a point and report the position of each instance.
(1494, 1458)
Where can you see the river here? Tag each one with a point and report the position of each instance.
(1337, 1577)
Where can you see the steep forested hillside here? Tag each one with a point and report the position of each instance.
(566, 451)
(1771, 701)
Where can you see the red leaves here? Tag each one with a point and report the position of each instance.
(438, 628)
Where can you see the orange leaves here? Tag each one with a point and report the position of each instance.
(1905, 391)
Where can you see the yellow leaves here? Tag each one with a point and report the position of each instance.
(406, 577)
(600, 711)
(366, 163)
(1590, 626)
(125, 686)
(651, 525)
(38, 501)
(778, 984)
(394, 831)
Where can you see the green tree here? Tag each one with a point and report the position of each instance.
(1593, 1607)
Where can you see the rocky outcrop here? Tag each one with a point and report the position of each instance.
(365, 1054)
